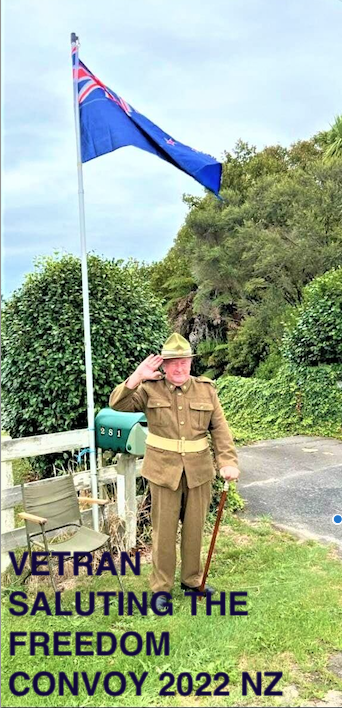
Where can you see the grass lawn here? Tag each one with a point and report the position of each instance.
(294, 626)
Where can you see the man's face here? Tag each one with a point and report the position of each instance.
(177, 370)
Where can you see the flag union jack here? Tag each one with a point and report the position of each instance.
(88, 83)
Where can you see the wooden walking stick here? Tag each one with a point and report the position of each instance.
(213, 538)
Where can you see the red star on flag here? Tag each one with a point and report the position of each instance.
(170, 141)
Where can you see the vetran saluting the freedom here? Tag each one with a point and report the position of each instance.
(180, 409)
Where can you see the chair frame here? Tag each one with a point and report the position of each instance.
(41, 521)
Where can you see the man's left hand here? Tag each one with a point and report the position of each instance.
(229, 473)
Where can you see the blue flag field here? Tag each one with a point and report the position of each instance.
(108, 122)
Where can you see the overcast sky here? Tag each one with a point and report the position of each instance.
(266, 71)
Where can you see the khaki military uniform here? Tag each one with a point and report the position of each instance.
(180, 482)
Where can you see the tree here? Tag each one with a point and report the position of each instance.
(251, 256)
(171, 278)
(43, 383)
(333, 149)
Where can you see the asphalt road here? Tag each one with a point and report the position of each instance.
(297, 481)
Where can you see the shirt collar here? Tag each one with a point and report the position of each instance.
(184, 387)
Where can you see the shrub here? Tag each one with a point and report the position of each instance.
(268, 368)
(44, 385)
(315, 334)
(298, 400)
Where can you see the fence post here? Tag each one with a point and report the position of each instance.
(127, 500)
(7, 515)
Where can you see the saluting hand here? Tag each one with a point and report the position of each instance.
(148, 369)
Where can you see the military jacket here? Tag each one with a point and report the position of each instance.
(188, 411)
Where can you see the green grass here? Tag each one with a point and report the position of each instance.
(294, 625)
(22, 471)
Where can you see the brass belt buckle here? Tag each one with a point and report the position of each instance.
(181, 446)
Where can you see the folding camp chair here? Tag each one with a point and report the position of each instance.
(53, 504)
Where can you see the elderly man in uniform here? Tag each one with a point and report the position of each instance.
(180, 409)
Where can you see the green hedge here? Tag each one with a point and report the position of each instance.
(43, 367)
(315, 334)
(298, 400)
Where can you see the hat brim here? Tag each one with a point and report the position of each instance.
(178, 356)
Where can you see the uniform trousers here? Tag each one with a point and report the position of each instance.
(190, 506)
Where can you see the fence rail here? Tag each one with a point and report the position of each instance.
(36, 445)
(123, 474)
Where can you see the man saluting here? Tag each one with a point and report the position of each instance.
(180, 409)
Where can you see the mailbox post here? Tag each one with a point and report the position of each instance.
(124, 433)
(127, 497)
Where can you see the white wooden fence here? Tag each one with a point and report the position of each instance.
(123, 473)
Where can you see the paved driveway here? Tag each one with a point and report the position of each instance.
(297, 481)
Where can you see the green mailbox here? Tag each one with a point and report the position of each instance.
(121, 432)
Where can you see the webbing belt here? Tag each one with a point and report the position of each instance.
(181, 446)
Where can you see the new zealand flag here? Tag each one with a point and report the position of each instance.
(108, 123)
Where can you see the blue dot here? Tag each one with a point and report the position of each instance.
(337, 519)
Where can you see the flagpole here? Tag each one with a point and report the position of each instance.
(85, 293)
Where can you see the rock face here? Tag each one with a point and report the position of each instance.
(335, 664)
(333, 699)
(290, 693)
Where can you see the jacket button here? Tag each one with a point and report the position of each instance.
(180, 408)
(182, 453)
(182, 422)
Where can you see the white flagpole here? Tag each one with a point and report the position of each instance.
(85, 293)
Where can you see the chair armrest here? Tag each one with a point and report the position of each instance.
(32, 517)
(89, 500)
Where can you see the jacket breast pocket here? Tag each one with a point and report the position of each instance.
(200, 414)
(158, 413)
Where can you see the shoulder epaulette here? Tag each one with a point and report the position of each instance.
(205, 379)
